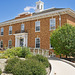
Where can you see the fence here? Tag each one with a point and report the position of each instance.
(43, 52)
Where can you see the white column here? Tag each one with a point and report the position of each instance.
(34, 51)
(38, 51)
(42, 52)
(60, 20)
(15, 41)
(24, 41)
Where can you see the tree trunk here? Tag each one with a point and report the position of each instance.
(66, 56)
(60, 56)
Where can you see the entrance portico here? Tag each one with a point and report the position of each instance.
(21, 39)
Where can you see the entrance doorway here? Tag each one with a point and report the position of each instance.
(21, 42)
(21, 39)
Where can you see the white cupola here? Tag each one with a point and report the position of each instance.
(39, 6)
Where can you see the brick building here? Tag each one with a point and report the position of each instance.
(34, 29)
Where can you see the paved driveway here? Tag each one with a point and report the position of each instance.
(61, 68)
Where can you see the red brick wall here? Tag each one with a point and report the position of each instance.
(70, 20)
(44, 33)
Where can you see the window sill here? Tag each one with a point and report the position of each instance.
(37, 31)
(1, 35)
(10, 34)
(51, 29)
(37, 48)
(50, 48)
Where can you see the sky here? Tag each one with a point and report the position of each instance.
(9, 9)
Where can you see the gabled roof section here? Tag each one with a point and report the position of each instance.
(43, 14)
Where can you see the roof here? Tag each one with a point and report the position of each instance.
(43, 14)
(48, 10)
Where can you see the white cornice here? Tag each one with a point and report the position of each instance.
(44, 15)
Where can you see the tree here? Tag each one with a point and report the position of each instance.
(63, 40)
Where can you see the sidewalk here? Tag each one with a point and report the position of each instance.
(61, 68)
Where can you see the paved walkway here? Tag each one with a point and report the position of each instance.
(61, 68)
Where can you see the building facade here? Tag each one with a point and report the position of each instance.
(34, 29)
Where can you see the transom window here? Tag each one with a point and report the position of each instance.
(2, 30)
(37, 42)
(52, 24)
(10, 43)
(1, 44)
(37, 26)
(10, 29)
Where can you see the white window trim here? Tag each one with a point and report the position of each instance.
(35, 26)
(8, 43)
(35, 43)
(3, 32)
(12, 29)
(0, 43)
(50, 25)
(24, 26)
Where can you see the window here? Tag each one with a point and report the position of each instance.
(2, 31)
(10, 29)
(51, 47)
(1, 44)
(37, 26)
(37, 42)
(41, 6)
(37, 6)
(10, 43)
(52, 24)
(22, 27)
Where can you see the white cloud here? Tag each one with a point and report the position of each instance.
(28, 8)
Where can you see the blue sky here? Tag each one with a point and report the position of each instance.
(11, 8)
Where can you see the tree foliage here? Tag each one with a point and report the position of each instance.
(63, 40)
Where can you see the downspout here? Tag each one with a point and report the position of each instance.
(59, 20)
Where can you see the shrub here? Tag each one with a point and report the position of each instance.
(0, 71)
(42, 59)
(12, 52)
(29, 56)
(2, 56)
(10, 64)
(29, 67)
(24, 52)
(17, 51)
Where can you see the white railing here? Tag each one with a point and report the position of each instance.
(43, 52)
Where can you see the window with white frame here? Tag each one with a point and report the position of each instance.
(1, 44)
(10, 43)
(22, 27)
(2, 31)
(52, 24)
(37, 6)
(37, 42)
(41, 6)
(10, 29)
(51, 47)
(37, 26)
